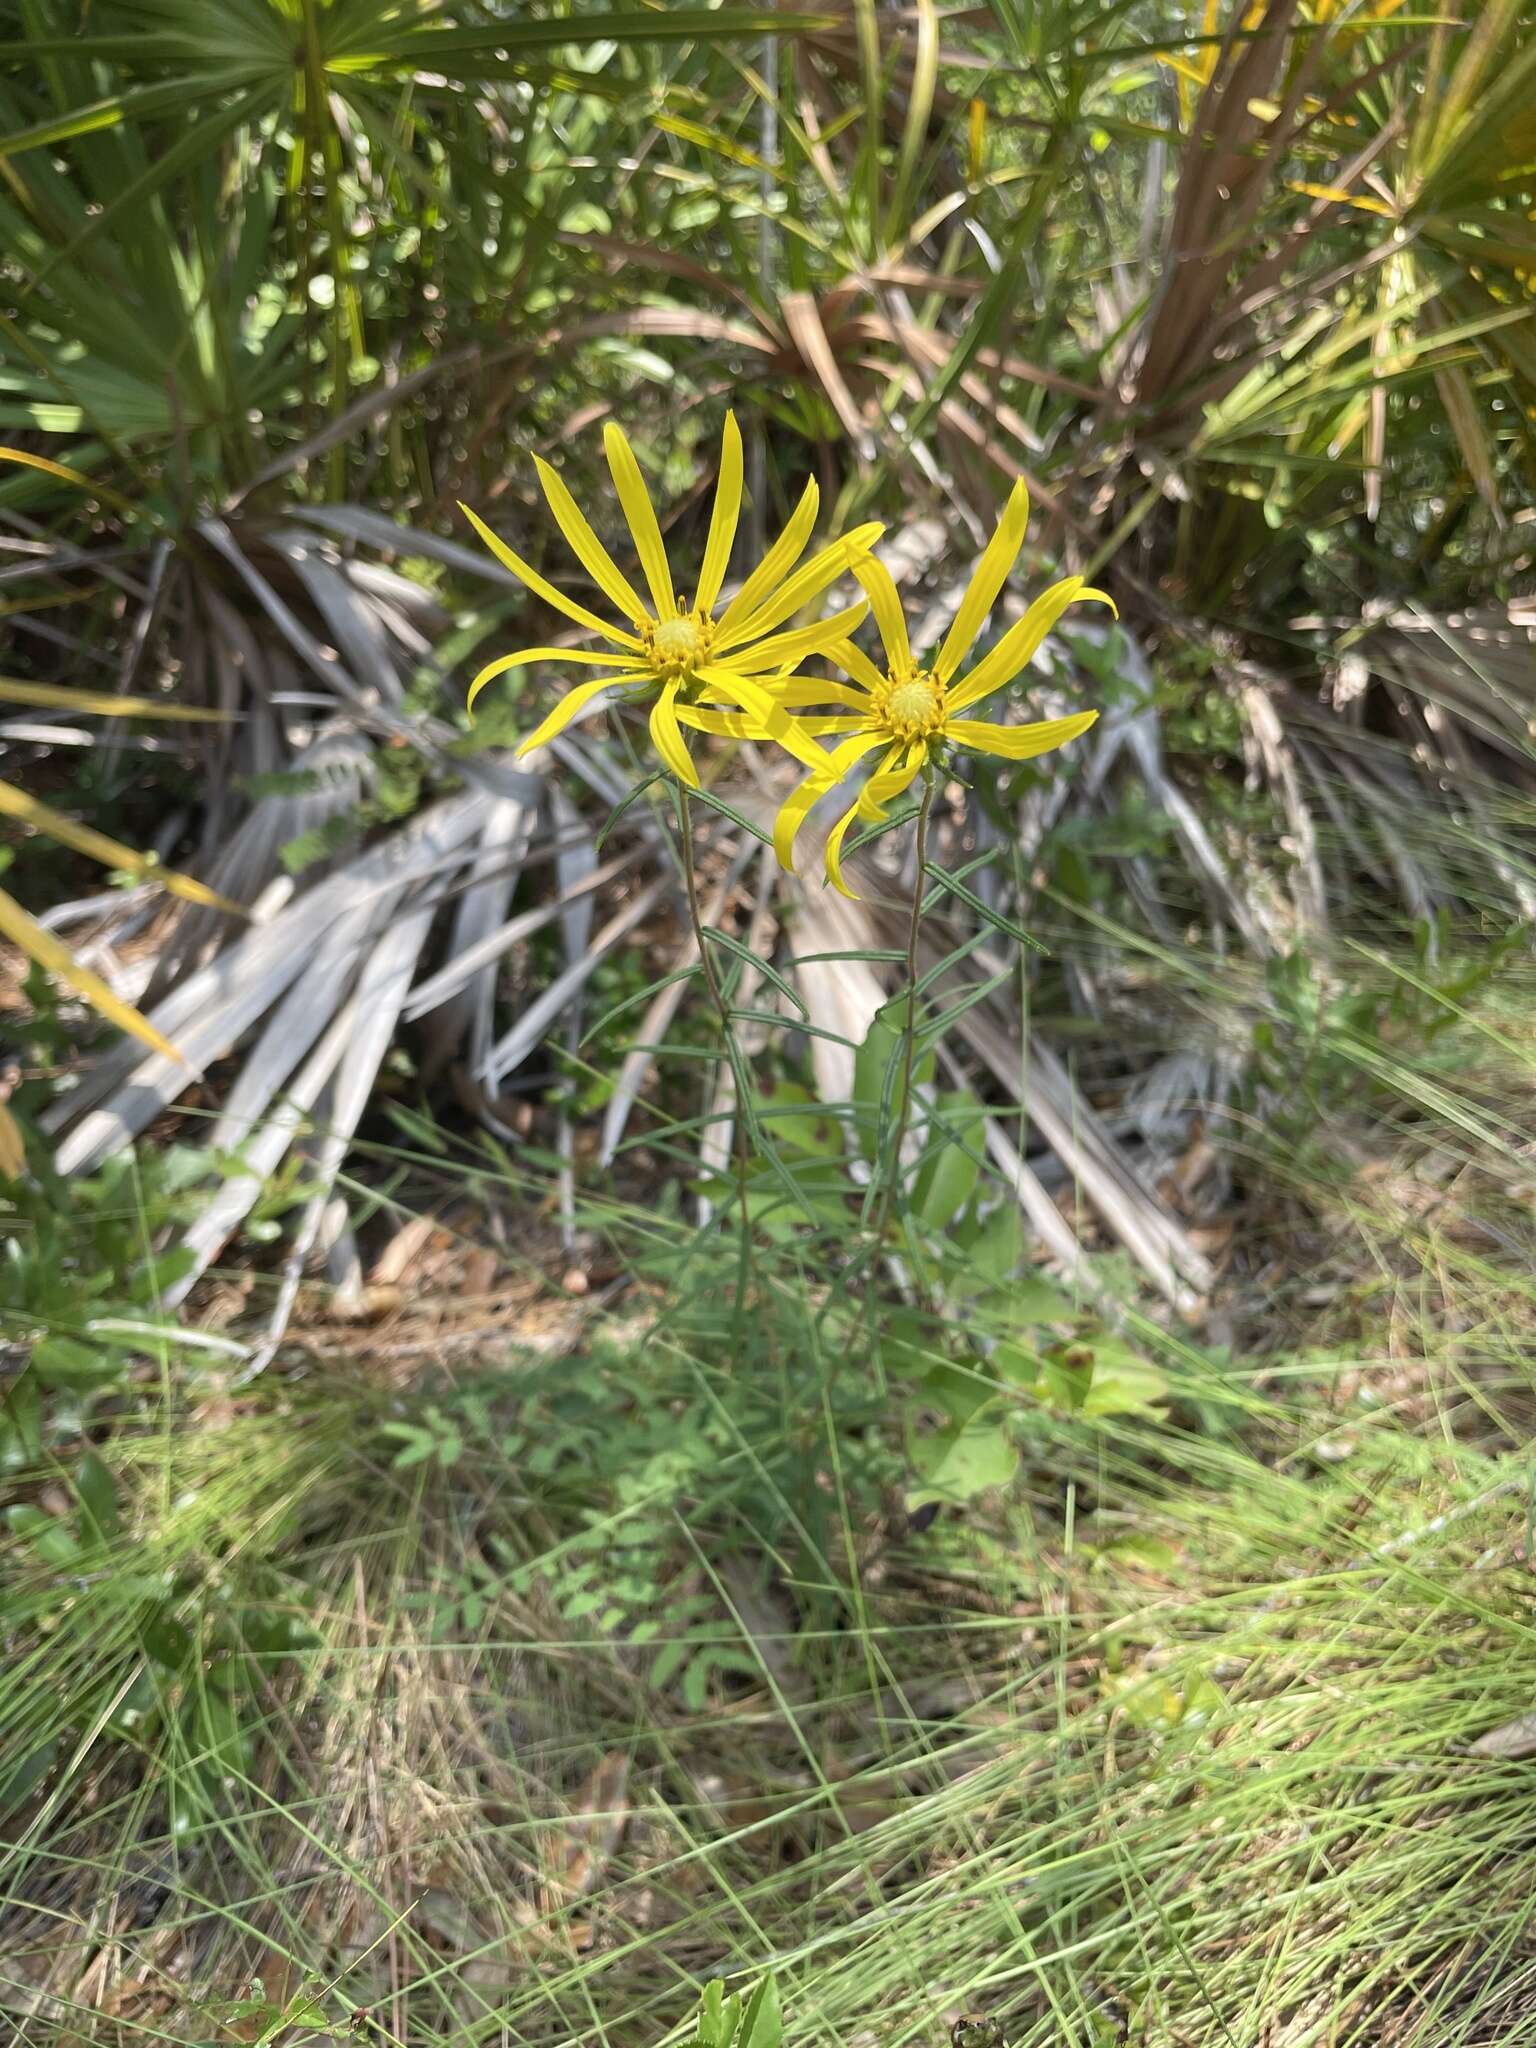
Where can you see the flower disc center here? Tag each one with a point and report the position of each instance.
(913, 706)
(679, 646)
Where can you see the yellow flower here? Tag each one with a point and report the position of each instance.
(684, 653)
(910, 713)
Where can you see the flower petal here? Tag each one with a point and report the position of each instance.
(722, 521)
(1017, 742)
(774, 566)
(797, 690)
(572, 702)
(797, 807)
(738, 725)
(524, 656)
(641, 516)
(586, 546)
(1020, 643)
(885, 601)
(887, 782)
(510, 559)
(770, 721)
(793, 812)
(781, 650)
(667, 738)
(857, 666)
(987, 579)
(807, 582)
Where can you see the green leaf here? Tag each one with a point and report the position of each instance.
(20, 1780)
(1032, 1300)
(669, 1660)
(957, 1463)
(168, 1641)
(1066, 1378)
(1017, 1366)
(719, 2016)
(53, 1541)
(417, 1445)
(757, 963)
(948, 1180)
(1123, 1383)
(65, 1362)
(798, 1122)
(762, 2025)
(695, 1686)
(990, 1253)
(877, 1070)
(956, 1392)
(98, 1496)
(1145, 1553)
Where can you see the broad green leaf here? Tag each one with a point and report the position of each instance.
(878, 1066)
(795, 1118)
(98, 1496)
(52, 1539)
(1031, 1300)
(65, 1362)
(1147, 1553)
(761, 2023)
(957, 1463)
(948, 1180)
(1123, 1383)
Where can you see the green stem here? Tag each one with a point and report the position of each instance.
(909, 1024)
(723, 1011)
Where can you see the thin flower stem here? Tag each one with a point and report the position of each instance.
(909, 1024)
(723, 1010)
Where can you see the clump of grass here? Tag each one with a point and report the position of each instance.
(1177, 1741)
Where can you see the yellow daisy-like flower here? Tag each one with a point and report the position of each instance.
(683, 652)
(911, 713)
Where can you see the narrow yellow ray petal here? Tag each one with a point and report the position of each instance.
(987, 579)
(557, 600)
(807, 582)
(641, 516)
(15, 803)
(886, 602)
(771, 720)
(521, 658)
(667, 739)
(1017, 742)
(883, 786)
(793, 812)
(1021, 642)
(775, 565)
(737, 725)
(722, 521)
(25, 933)
(572, 702)
(798, 805)
(795, 690)
(586, 546)
(857, 666)
(783, 649)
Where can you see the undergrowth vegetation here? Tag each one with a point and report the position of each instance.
(833, 1342)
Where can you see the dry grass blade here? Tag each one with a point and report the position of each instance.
(1038, 1082)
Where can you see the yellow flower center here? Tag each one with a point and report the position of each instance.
(678, 647)
(911, 706)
